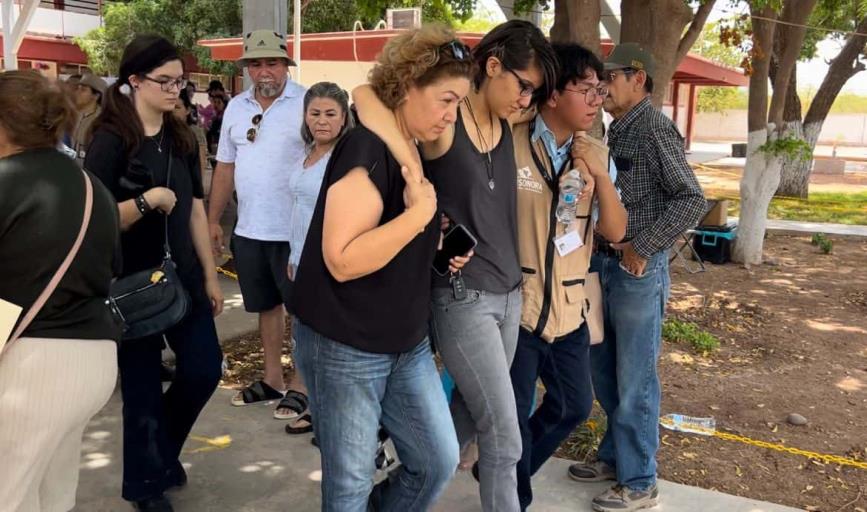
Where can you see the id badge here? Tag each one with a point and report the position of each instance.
(568, 243)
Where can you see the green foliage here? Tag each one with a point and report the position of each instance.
(841, 15)
(720, 99)
(330, 16)
(837, 208)
(793, 148)
(824, 244)
(182, 22)
(687, 332)
(710, 46)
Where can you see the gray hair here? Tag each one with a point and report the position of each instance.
(332, 91)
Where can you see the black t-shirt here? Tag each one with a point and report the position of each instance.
(464, 195)
(41, 209)
(126, 178)
(385, 312)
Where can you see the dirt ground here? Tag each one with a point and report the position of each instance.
(793, 340)
(722, 178)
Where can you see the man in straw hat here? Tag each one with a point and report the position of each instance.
(260, 145)
(88, 91)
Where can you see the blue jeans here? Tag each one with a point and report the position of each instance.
(624, 366)
(351, 393)
(564, 367)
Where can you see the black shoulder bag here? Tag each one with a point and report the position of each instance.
(151, 301)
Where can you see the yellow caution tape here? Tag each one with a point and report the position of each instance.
(227, 273)
(828, 459)
(211, 443)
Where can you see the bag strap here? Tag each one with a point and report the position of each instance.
(58, 275)
(167, 252)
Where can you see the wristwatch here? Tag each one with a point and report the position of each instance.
(142, 205)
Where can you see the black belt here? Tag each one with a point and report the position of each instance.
(603, 247)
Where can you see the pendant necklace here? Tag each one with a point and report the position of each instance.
(159, 144)
(489, 165)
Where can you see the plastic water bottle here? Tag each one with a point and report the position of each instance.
(570, 189)
(681, 423)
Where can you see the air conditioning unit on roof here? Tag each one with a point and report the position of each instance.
(403, 18)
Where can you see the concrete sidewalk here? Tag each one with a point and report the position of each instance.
(264, 470)
(796, 227)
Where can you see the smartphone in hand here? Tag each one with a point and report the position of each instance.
(457, 242)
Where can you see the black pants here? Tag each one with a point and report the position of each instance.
(564, 367)
(156, 424)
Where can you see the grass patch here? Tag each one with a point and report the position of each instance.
(584, 441)
(836, 208)
(691, 334)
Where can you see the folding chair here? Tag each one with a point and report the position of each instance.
(685, 250)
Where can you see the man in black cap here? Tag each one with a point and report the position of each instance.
(662, 199)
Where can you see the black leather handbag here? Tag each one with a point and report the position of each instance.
(151, 301)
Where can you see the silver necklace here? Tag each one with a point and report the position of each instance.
(159, 144)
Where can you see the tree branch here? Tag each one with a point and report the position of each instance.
(695, 27)
(841, 68)
(795, 13)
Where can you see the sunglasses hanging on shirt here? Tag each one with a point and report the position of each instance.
(252, 132)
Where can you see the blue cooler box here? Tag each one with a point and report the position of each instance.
(714, 244)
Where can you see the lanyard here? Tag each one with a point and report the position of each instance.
(552, 183)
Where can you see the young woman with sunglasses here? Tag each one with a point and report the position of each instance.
(136, 142)
(476, 312)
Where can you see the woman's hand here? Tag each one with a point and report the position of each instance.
(215, 295)
(593, 155)
(161, 198)
(458, 262)
(419, 195)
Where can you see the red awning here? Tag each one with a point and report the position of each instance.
(364, 46)
(50, 49)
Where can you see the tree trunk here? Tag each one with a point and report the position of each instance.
(762, 169)
(788, 39)
(577, 21)
(657, 25)
(796, 175)
(758, 184)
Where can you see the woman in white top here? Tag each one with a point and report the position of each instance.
(326, 119)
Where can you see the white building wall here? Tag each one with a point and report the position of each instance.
(54, 22)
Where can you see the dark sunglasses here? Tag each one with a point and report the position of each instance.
(459, 50)
(252, 132)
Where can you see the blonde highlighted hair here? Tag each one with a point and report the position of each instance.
(418, 58)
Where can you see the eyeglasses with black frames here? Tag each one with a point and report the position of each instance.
(167, 84)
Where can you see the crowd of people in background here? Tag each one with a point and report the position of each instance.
(341, 212)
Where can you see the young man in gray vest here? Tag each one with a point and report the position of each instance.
(663, 199)
(554, 339)
(260, 143)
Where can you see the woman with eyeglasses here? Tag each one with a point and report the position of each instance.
(149, 160)
(476, 312)
(362, 291)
